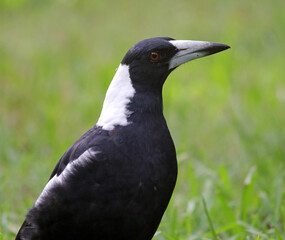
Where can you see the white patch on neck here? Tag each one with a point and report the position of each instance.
(117, 98)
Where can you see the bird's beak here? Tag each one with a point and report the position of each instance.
(189, 50)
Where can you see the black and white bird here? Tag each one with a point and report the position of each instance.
(115, 182)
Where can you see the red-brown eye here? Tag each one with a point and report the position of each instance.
(154, 56)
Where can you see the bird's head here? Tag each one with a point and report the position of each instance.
(137, 84)
(151, 60)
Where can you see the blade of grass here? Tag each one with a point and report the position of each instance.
(168, 236)
(225, 228)
(247, 191)
(258, 237)
(277, 234)
(174, 222)
(252, 229)
(209, 219)
(278, 199)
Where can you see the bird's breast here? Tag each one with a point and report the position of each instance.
(147, 154)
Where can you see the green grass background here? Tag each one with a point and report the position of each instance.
(226, 112)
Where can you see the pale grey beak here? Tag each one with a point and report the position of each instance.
(189, 50)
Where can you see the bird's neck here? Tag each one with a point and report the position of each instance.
(124, 104)
(146, 103)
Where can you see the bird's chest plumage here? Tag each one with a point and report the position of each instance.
(144, 158)
(144, 176)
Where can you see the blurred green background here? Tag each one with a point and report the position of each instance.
(225, 112)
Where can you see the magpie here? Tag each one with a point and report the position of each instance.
(115, 182)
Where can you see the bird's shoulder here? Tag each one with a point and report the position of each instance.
(86, 147)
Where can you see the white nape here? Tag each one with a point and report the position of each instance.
(61, 179)
(117, 98)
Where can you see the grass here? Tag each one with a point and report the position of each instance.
(209, 220)
(225, 112)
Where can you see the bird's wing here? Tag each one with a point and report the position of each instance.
(29, 231)
(78, 148)
(83, 149)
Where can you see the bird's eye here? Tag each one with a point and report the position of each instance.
(154, 56)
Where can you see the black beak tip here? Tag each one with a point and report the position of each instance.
(226, 46)
(217, 47)
(221, 47)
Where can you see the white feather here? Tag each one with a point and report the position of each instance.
(117, 98)
(56, 180)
